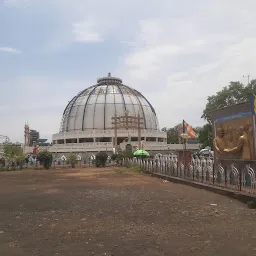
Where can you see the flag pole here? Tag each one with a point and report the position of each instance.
(184, 147)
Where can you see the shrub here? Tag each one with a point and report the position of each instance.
(72, 160)
(45, 159)
(114, 157)
(101, 159)
(2, 162)
(128, 153)
(20, 160)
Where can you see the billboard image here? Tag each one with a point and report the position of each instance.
(234, 137)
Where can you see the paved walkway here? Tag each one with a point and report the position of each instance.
(107, 212)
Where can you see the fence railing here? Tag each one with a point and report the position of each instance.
(54, 165)
(236, 175)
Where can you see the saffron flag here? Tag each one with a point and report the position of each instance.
(189, 130)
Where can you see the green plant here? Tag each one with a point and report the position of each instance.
(101, 159)
(12, 150)
(14, 156)
(72, 159)
(124, 154)
(2, 162)
(45, 159)
(20, 160)
(114, 157)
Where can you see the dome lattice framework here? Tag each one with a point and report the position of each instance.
(94, 107)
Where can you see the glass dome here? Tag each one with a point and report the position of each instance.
(94, 107)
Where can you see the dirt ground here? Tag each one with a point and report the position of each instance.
(108, 212)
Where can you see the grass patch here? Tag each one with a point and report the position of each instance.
(129, 169)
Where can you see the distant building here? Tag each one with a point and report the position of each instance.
(43, 142)
(33, 137)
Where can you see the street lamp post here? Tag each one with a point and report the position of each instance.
(106, 144)
(248, 77)
(142, 144)
(184, 136)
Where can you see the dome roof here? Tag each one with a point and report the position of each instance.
(94, 107)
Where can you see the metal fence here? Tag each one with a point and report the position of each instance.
(37, 166)
(236, 175)
(55, 165)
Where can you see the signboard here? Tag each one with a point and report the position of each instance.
(253, 104)
(234, 129)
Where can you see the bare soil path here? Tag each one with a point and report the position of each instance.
(108, 212)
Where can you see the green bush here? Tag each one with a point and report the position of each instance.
(45, 159)
(101, 159)
(72, 159)
(114, 157)
(2, 162)
(20, 160)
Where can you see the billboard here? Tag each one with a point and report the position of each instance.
(235, 136)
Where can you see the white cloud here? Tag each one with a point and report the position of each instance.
(212, 48)
(9, 50)
(145, 61)
(86, 32)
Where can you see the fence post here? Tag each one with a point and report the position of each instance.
(213, 173)
(193, 171)
(202, 170)
(225, 174)
(240, 179)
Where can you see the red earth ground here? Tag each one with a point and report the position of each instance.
(111, 212)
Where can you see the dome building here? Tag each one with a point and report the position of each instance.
(102, 112)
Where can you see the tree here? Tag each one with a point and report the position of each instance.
(101, 159)
(20, 160)
(45, 158)
(205, 136)
(165, 129)
(72, 159)
(173, 134)
(197, 129)
(114, 157)
(14, 154)
(232, 94)
(12, 150)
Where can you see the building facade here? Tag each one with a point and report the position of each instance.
(34, 137)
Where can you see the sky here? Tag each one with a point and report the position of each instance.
(175, 52)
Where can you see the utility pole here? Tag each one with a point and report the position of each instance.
(115, 123)
(248, 77)
(179, 132)
(139, 130)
